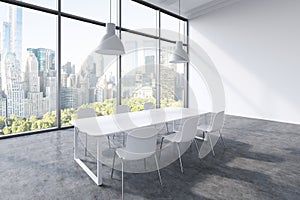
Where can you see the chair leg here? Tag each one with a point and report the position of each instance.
(85, 149)
(161, 143)
(173, 126)
(190, 147)
(122, 179)
(222, 139)
(113, 166)
(212, 148)
(167, 127)
(162, 139)
(196, 146)
(108, 139)
(123, 139)
(157, 166)
(179, 156)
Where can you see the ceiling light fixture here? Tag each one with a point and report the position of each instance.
(110, 43)
(179, 55)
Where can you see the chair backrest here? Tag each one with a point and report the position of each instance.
(218, 121)
(189, 129)
(122, 109)
(142, 140)
(148, 106)
(85, 113)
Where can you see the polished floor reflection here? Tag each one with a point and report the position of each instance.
(261, 161)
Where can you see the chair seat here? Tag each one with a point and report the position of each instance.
(173, 137)
(204, 128)
(126, 155)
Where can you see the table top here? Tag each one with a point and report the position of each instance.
(109, 124)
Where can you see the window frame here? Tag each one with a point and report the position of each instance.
(59, 14)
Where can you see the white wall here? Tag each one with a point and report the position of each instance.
(255, 46)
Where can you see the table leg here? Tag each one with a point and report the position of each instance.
(75, 143)
(173, 126)
(99, 164)
(96, 178)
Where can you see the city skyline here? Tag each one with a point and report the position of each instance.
(29, 78)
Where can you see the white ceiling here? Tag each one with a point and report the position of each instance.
(192, 8)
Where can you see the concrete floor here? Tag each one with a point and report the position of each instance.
(261, 161)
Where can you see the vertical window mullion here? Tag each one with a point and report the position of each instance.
(58, 109)
(186, 83)
(119, 75)
(158, 65)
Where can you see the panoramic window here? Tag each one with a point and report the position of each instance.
(147, 22)
(33, 41)
(172, 78)
(28, 70)
(170, 28)
(92, 9)
(88, 79)
(138, 81)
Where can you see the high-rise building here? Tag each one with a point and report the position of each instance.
(68, 68)
(51, 92)
(5, 48)
(14, 86)
(46, 64)
(5, 38)
(15, 31)
(69, 98)
(31, 77)
(45, 58)
(34, 104)
(3, 105)
(148, 76)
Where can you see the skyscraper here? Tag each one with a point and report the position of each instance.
(5, 38)
(45, 58)
(35, 104)
(15, 38)
(11, 43)
(14, 86)
(46, 63)
(31, 74)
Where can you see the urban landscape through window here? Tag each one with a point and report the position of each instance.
(36, 91)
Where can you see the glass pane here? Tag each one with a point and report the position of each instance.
(146, 21)
(92, 9)
(88, 79)
(52, 4)
(170, 28)
(28, 70)
(172, 78)
(138, 70)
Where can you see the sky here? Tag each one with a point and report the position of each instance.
(79, 39)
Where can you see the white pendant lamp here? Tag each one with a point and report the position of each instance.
(179, 55)
(110, 43)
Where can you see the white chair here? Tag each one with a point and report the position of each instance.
(149, 106)
(86, 113)
(120, 109)
(215, 126)
(186, 134)
(140, 144)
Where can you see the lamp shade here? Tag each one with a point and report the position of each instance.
(179, 55)
(110, 43)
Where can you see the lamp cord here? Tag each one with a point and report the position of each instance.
(179, 21)
(110, 11)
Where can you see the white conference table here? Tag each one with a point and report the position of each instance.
(110, 124)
